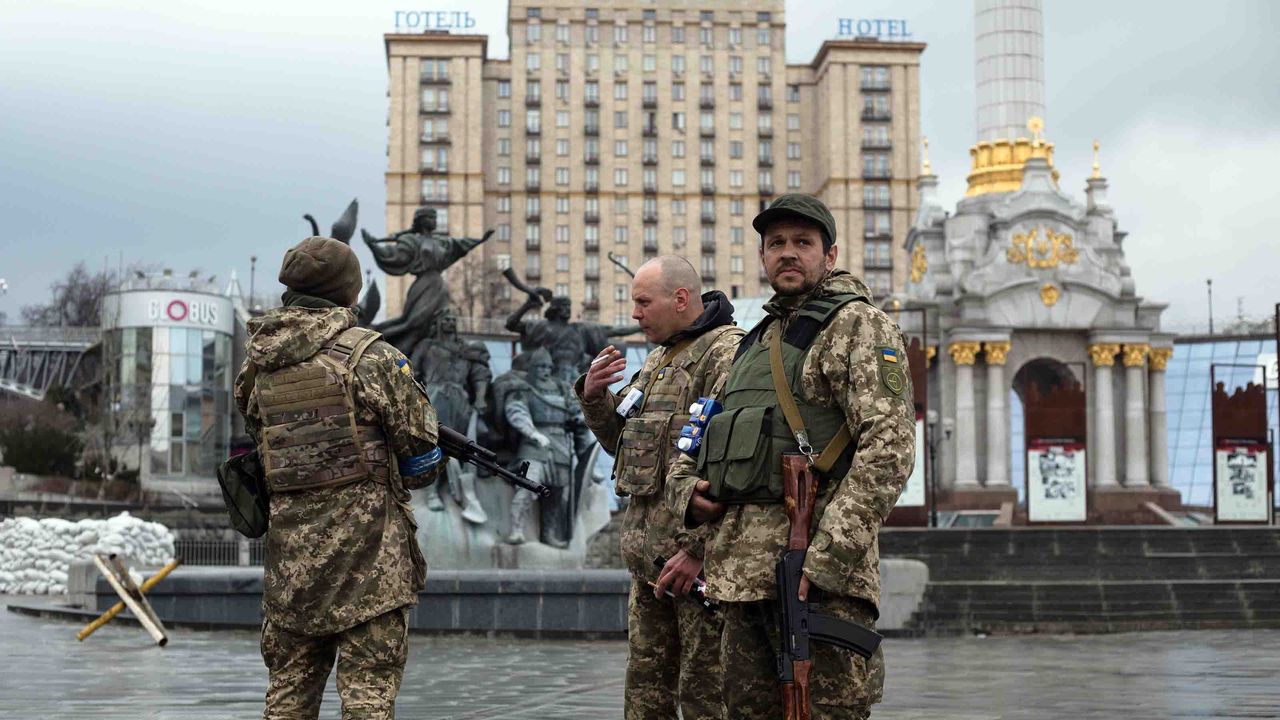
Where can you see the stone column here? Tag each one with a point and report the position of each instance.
(997, 427)
(1159, 422)
(1135, 416)
(1104, 464)
(964, 354)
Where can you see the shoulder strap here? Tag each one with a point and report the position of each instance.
(787, 400)
(814, 315)
(752, 337)
(349, 345)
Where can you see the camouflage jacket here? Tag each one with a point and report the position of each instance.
(336, 557)
(840, 370)
(649, 528)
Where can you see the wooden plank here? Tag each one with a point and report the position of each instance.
(118, 577)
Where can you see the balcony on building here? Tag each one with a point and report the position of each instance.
(649, 103)
(435, 79)
(591, 130)
(708, 218)
(708, 275)
(591, 304)
(708, 131)
(436, 110)
(533, 129)
(651, 246)
(533, 101)
(709, 246)
(591, 245)
(532, 185)
(591, 102)
(593, 188)
(592, 159)
(876, 173)
(436, 139)
(650, 217)
(766, 188)
(533, 216)
(533, 273)
(877, 264)
(707, 103)
(764, 103)
(432, 170)
(533, 158)
(877, 204)
(590, 217)
(650, 160)
(765, 161)
(708, 160)
(877, 144)
(649, 131)
(651, 188)
(765, 132)
(875, 86)
(591, 273)
(877, 234)
(708, 189)
(533, 243)
(873, 114)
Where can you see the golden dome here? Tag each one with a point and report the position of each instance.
(997, 164)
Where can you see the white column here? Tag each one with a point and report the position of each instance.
(1159, 420)
(997, 415)
(964, 354)
(1135, 416)
(1104, 357)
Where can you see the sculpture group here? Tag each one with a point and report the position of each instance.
(527, 414)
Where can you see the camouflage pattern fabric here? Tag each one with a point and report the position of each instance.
(843, 369)
(649, 529)
(370, 659)
(337, 557)
(842, 685)
(674, 659)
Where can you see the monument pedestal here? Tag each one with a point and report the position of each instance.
(1128, 506)
(976, 497)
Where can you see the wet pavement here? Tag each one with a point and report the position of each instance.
(117, 673)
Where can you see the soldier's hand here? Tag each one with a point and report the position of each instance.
(678, 575)
(606, 369)
(540, 440)
(702, 508)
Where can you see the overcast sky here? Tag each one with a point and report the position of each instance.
(195, 134)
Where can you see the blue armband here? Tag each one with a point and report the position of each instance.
(420, 464)
(700, 414)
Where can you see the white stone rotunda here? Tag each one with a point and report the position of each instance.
(1026, 288)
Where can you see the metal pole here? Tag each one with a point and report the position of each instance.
(1209, 283)
(253, 269)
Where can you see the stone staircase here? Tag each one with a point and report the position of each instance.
(1026, 580)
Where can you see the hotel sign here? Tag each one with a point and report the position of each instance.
(878, 28)
(419, 20)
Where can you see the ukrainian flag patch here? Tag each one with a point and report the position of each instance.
(403, 365)
(889, 355)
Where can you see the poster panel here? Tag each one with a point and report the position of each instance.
(913, 493)
(1240, 471)
(1056, 490)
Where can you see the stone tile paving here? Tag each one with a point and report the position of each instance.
(46, 673)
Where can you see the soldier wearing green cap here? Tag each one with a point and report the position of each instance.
(843, 361)
(344, 433)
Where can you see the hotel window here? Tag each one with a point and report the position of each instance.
(533, 264)
(735, 36)
(677, 121)
(562, 289)
(677, 91)
(562, 176)
(705, 35)
(591, 263)
(504, 118)
(435, 69)
(677, 63)
(504, 176)
(735, 146)
(533, 32)
(735, 64)
(434, 129)
(736, 235)
(620, 235)
(793, 180)
(592, 236)
(593, 63)
(735, 264)
(620, 91)
(678, 207)
(562, 204)
(621, 292)
(562, 147)
(793, 151)
(620, 33)
(677, 148)
(877, 223)
(706, 64)
(620, 177)
(735, 91)
(504, 203)
(764, 65)
(562, 31)
(793, 121)
(504, 146)
(533, 176)
(562, 91)
(619, 148)
(763, 37)
(679, 237)
(677, 177)
(591, 91)
(735, 121)
(735, 206)
(504, 232)
(649, 63)
(533, 120)
(620, 206)
(649, 34)
(435, 99)
(504, 88)
(533, 62)
(621, 63)
(593, 33)
(735, 178)
(435, 190)
(875, 195)
(562, 263)
(436, 159)
(677, 33)
(793, 93)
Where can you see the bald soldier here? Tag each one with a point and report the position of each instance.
(344, 433)
(674, 644)
(842, 361)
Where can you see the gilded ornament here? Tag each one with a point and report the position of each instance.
(1049, 294)
(919, 263)
(1042, 252)
(964, 353)
(1160, 358)
(1136, 355)
(929, 353)
(925, 167)
(1104, 354)
(996, 352)
(1097, 167)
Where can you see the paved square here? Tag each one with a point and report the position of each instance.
(117, 673)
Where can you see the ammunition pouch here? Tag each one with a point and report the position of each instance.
(244, 492)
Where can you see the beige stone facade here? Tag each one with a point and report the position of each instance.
(642, 128)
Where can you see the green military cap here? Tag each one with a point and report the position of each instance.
(798, 205)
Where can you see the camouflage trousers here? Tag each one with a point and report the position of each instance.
(370, 658)
(674, 659)
(842, 685)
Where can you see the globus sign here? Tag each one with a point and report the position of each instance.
(177, 310)
(168, 308)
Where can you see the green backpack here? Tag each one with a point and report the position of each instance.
(244, 490)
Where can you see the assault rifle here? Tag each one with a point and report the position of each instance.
(464, 449)
(799, 622)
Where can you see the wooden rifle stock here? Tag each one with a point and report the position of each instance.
(799, 491)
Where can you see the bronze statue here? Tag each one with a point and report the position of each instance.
(572, 345)
(422, 252)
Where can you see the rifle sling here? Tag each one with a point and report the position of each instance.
(787, 401)
(842, 633)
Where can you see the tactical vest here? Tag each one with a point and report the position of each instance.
(742, 452)
(647, 439)
(311, 437)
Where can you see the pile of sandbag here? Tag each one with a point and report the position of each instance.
(35, 554)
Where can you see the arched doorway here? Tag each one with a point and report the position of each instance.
(1055, 431)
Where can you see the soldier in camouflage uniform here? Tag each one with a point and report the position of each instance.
(542, 410)
(344, 432)
(674, 657)
(845, 364)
